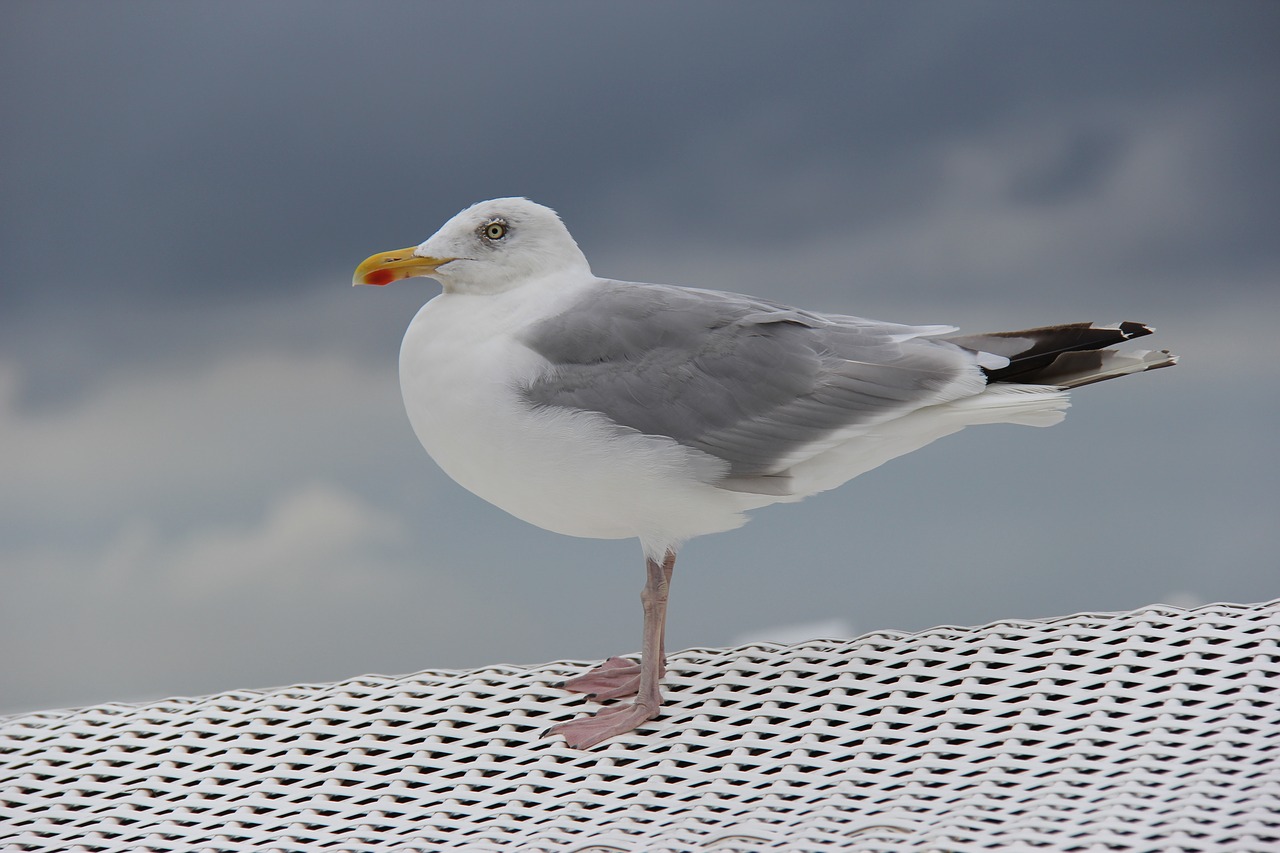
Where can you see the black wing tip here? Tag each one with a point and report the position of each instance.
(1049, 353)
(1132, 330)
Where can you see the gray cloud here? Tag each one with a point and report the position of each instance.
(158, 141)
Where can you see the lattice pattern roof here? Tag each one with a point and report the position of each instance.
(1152, 730)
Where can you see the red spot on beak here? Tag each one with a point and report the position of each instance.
(379, 277)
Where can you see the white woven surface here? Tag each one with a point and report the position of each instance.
(1157, 730)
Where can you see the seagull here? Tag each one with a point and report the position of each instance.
(617, 410)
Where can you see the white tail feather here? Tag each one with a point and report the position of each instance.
(1029, 405)
(1007, 403)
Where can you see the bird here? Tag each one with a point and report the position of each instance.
(610, 409)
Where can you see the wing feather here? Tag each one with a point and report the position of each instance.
(756, 384)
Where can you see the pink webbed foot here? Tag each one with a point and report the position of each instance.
(619, 677)
(605, 723)
(608, 676)
(613, 679)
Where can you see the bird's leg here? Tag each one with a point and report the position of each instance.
(618, 677)
(619, 719)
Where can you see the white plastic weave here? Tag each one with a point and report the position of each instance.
(1156, 730)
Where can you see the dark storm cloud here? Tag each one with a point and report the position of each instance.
(188, 152)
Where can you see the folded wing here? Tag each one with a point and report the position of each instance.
(753, 383)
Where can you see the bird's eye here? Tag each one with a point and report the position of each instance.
(495, 230)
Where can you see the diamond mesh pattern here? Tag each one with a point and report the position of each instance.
(1156, 730)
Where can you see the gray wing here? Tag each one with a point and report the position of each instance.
(751, 382)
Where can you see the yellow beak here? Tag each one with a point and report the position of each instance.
(387, 267)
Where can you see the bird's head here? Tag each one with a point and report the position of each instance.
(489, 247)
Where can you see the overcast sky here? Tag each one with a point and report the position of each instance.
(207, 480)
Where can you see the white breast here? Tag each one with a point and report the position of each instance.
(462, 367)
